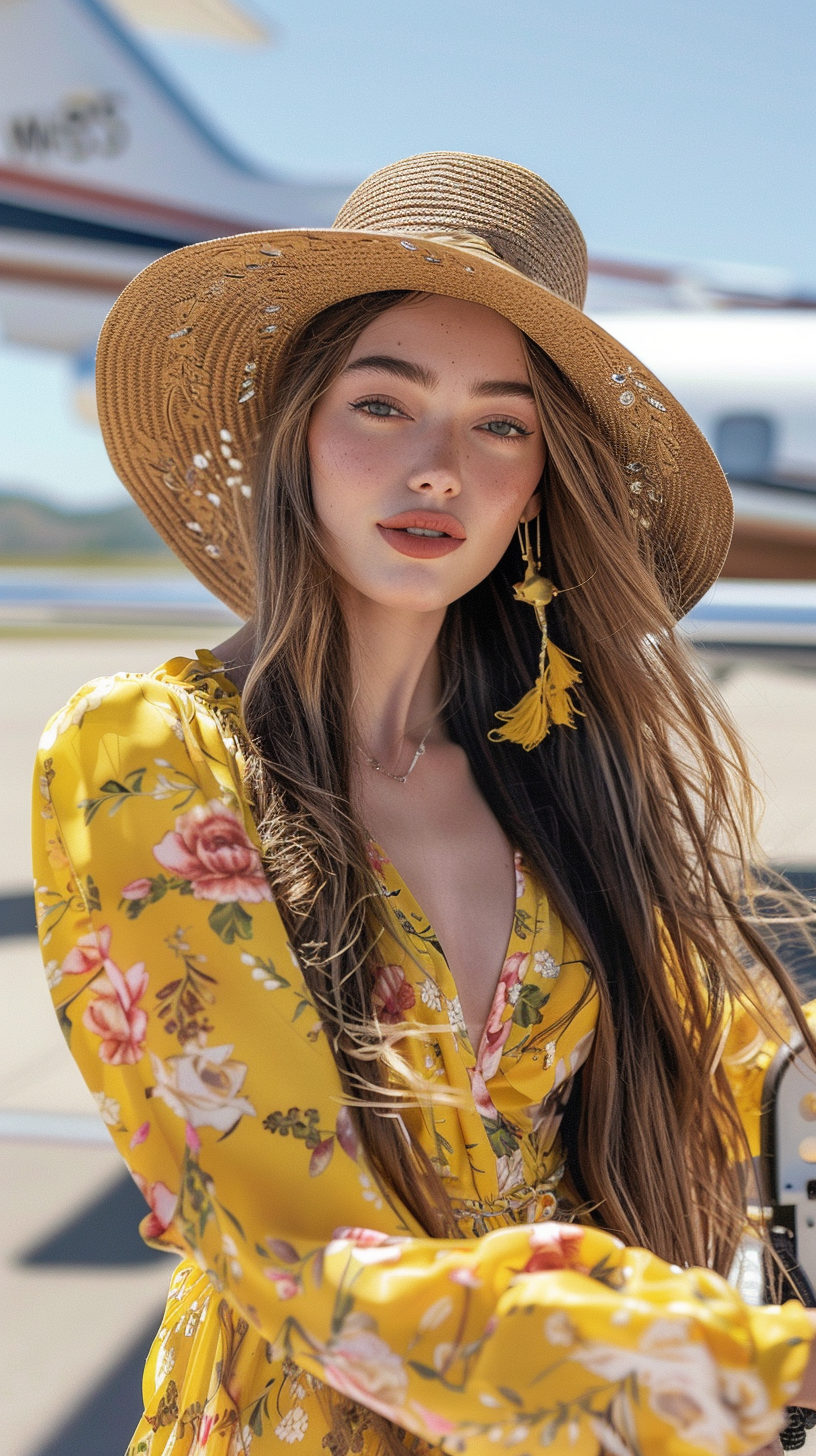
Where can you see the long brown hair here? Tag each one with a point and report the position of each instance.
(639, 823)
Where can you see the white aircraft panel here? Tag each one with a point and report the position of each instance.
(95, 110)
(52, 318)
(723, 362)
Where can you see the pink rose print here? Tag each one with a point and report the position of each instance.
(286, 1284)
(205, 1430)
(137, 889)
(347, 1134)
(162, 1206)
(496, 1030)
(115, 1015)
(392, 995)
(211, 848)
(362, 1238)
(465, 1276)
(555, 1246)
(435, 1425)
(141, 1135)
(485, 1105)
(376, 858)
(362, 1366)
(371, 1246)
(520, 881)
(89, 953)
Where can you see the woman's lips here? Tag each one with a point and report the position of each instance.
(422, 546)
(403, 533)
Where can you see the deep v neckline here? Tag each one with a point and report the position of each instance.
(215, 667)
(210, 663)
(380, 858)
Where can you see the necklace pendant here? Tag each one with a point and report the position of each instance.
(398, 778)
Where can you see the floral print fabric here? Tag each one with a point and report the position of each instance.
(186, 1011)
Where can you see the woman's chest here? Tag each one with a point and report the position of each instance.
(494, 1139)
(447, 846)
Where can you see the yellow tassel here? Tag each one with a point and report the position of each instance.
(528, 723)
(548, 701)
(561, 676)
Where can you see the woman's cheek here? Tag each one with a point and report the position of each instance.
(345, 478)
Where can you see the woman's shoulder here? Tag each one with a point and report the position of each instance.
(147, 708)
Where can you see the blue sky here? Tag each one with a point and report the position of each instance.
(673, 130)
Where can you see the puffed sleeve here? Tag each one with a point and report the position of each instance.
(185, 1010)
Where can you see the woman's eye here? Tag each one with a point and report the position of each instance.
(380, 408)
(504, 428)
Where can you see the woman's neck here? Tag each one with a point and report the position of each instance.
(394, 666)
(396, 674)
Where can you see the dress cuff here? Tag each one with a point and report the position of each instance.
(782, 1336)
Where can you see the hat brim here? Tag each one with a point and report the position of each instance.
(186, 364)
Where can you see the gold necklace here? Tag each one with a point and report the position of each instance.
(398, 778)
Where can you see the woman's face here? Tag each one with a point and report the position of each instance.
(425, 453)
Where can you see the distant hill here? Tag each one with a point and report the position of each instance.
(31, 528)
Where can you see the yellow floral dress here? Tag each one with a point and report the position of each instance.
(185, 1008)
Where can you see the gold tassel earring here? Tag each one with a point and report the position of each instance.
(548, 701)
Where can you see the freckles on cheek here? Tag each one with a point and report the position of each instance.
(345, 484)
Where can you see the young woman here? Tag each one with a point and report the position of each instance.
(407, 952)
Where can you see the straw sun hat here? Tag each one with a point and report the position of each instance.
(187, 357)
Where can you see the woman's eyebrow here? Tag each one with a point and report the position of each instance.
(402, 368)
(519, 387)
(418, 374)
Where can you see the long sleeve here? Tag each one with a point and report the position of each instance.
(185, 1010)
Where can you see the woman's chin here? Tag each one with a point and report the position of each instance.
(412, 591)
(408, 603)
(404, 600)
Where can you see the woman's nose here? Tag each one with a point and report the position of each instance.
(437, 474)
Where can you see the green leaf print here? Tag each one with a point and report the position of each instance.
(233, 1220)
(230, 920)
(158, 888)
(502, 1138)
(527, 1010)
(421, 931)
(427, 1372)
(64, 1023)
(343, 1307)
(195, 1207)
(608, 1273)
(303, 1126)
(522, 924)
(114, 793)
(159, 885)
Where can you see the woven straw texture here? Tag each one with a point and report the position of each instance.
(187, 356)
